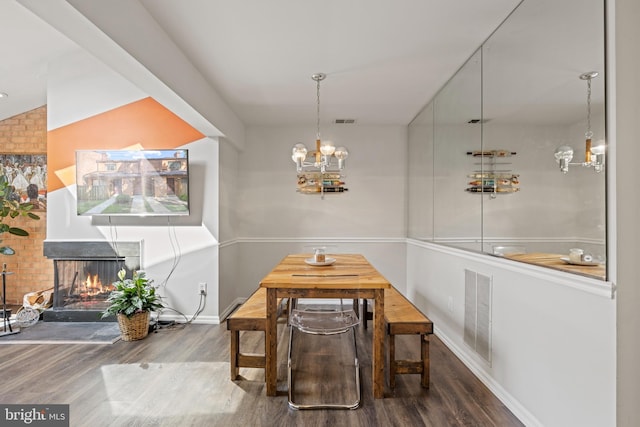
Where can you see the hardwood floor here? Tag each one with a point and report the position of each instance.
(180, 377)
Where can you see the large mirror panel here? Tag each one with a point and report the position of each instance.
(534, 101)
(457, 115)
(494, 130)
(420, 215)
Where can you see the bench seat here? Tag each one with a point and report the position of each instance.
(401, 317)
(250, 316)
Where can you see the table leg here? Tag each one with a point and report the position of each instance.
(271, 343)
(378, 344)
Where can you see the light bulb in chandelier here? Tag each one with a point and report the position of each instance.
(598, 153)
(327, 148)
(564, 155)
(299, 153)
(341, 154)
(598, 149)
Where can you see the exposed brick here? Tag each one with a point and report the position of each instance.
(26, 134)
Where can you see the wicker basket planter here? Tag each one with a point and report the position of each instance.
(135, 297)
(135, 327)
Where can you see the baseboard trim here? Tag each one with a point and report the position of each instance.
(526, 417)
(231, 307)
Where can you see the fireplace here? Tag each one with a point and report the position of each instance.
(83, 273)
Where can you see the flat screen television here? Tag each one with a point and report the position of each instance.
(132, 182)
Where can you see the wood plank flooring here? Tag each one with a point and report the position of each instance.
(180, 377)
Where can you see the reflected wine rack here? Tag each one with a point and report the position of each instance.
(493, 175)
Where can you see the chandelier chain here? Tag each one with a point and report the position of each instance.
(318, 107)
(589, 133)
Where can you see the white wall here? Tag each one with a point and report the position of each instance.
(80, 87)
(228, 188)
(625, 110)
(274, 220)
(373, 207)
(230, 291)
(553, 357)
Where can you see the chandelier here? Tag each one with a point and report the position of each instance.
(326, 159)
(593, 155)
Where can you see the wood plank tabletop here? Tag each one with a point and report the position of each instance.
(555, 261)
(350, 271)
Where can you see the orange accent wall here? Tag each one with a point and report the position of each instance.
(146, 123)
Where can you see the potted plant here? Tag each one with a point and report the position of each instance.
(131, 302)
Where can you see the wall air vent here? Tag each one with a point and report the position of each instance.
(477, 313)
(345, 121)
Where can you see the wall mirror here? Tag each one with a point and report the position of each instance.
(457, 113)
(421, 164)
(497, 124)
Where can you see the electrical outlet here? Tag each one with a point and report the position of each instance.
(450, 304)
(202, 288)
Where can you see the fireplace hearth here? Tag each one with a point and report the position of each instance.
(83, 273)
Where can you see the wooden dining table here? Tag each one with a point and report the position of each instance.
(350, 276)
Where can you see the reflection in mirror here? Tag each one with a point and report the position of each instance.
(458, 113)
(524, 92)
(420, 214)
(534, 101)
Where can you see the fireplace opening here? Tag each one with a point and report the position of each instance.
(83, 276)
(85, 284)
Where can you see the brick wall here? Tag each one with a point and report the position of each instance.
(26, 133)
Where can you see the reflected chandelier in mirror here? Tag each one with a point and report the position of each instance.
(593, 155)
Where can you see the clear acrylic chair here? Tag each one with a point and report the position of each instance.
(318, 321)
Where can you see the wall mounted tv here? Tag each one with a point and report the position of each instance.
(132, 182)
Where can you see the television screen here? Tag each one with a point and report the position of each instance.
(134, 183)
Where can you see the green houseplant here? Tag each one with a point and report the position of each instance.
(132, 302)
(10, 207)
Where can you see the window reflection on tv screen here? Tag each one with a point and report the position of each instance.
(135, 183)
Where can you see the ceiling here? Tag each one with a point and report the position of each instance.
(384, 60)
(28, 44)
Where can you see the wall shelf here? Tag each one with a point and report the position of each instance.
(318, 183)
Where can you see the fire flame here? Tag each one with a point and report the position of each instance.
(94, 286)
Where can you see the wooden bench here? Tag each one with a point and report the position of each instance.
(250, 316)
(403, 318)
